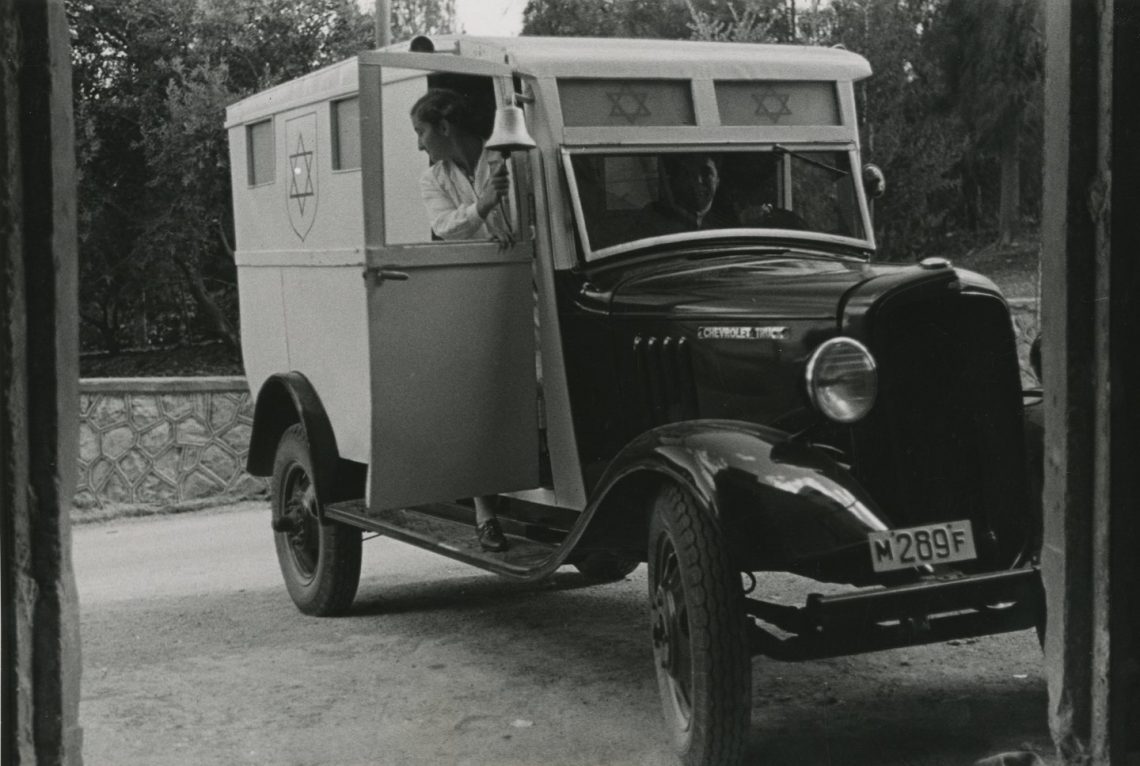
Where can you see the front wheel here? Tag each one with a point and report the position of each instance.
(700, 648)
(320, 559)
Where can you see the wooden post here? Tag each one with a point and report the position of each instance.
(38, 387)
(1091, 332)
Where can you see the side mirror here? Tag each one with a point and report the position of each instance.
(874, 182)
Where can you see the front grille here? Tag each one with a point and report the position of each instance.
(665, 388)
(944, 440)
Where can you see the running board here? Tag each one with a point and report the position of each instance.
(449, 530)
(908, 615)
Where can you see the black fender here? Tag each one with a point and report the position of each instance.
(783, 504)
(288, 398)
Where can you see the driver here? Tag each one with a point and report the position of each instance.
(686, 196)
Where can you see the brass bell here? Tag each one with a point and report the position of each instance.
(510, 133)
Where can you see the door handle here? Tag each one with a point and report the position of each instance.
(379, 274)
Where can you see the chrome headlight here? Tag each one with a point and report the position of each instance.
(841, 380)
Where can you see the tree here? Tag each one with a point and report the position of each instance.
(902, 130)
(993, 56)
(607, 18)
(769, 21)
(422, 17)
(117, 50)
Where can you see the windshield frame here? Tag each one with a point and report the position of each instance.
(760, 235)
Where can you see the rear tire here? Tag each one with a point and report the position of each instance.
(320, 559)
(700, 649)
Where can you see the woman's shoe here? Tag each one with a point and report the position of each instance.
(491, 536)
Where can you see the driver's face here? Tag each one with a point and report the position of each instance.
(694, 181)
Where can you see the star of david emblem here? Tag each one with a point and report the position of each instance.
(301, 162)
(301, 192)
(628, 103)
(771, 104)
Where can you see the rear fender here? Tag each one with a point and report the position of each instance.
(781, 503)
(285, 399)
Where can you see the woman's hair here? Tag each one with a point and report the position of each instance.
(445, 104)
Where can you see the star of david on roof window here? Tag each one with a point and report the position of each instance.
(628, 103)
(301, 184)
(771, 104)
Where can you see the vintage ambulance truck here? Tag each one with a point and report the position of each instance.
(738, 392)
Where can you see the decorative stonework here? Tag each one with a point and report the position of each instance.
(161, 441)
(1026, 326)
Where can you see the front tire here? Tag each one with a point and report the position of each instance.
(320, 559)
(700, 649)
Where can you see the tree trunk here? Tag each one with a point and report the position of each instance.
(1008, 213)
(206, 305)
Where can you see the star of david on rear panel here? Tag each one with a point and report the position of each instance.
(301, 180)
(302, 188)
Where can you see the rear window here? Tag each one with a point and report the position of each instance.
(259, 149)
(346, 134)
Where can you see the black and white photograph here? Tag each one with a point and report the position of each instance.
(569, 383)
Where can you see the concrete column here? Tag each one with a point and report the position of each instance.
(38, 387)
(1091, 331)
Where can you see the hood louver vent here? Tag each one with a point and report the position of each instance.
(664, 379)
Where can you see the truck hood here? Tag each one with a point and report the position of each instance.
(775, 287)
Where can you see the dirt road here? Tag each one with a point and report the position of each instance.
(193, 654)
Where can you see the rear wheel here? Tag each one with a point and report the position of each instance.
(320, 559)
(700, 649)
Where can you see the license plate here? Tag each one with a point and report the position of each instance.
(915, 546)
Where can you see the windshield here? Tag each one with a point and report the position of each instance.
(628, 197)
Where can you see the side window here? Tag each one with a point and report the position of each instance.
(407, 218)
(259, 150)
(346, 134)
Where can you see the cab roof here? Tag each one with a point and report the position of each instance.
(624, 57)
(586, 57)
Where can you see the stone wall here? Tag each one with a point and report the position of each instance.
(1026, 325)
(163, 441)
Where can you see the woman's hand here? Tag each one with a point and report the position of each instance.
(505, 239)
(497, 188)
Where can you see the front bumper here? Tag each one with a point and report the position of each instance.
(905, 615)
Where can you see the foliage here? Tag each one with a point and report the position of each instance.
(151, 83)
(994, 61)
(422, 17)
(993, 56)
(916, 144)
(760, 22)
(607, 18)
